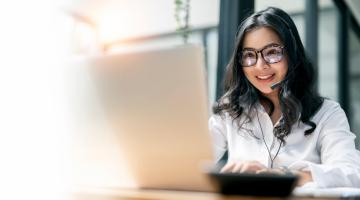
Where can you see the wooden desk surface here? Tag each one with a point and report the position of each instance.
(133, 194)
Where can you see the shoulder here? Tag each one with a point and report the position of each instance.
(217, 119)
(227, 122)
(221, 121)
(330, 111)
(329, 107)
(330, 104)
(217, 126)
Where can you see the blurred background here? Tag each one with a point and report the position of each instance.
(42, 39)
(329, 30)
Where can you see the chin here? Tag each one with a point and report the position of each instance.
(267, 91)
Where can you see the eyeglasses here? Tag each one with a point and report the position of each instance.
(272, 53)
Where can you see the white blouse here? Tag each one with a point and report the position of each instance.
(328, 153)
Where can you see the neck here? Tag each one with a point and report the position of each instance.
(276, 114)
(274, 98)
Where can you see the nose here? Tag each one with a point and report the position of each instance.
(261, 63)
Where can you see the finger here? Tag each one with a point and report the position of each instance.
(277, 171)
(249, 168)
(252, 167)
(259, 164)
(269, 171)
(245, 168)
(227, 168)
(237, 167)
(261, 171)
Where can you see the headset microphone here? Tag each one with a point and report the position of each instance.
(275, 85)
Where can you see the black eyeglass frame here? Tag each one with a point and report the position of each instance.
(261, 52)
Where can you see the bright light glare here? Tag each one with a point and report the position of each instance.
(128, 19)
(33, 108)
(115, 23)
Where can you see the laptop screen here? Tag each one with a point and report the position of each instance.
(155, 102)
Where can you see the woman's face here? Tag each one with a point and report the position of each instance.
(262, 74)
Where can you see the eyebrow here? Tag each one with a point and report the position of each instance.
(268, 45)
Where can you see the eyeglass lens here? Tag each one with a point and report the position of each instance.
(271, 54)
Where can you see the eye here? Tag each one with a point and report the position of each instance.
(248, 55)
(248, 58)
(273, 52)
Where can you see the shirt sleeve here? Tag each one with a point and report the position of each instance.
(217, 129)
(340, 161)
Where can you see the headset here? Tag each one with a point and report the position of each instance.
(277, 84)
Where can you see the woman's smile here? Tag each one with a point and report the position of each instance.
(265, 78)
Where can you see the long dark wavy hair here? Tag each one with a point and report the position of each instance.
(297, 95)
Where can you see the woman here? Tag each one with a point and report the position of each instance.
(271, 118)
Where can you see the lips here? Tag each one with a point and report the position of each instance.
(265, 77)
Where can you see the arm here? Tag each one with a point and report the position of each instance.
(340, 161)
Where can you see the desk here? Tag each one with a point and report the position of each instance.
(134, 194)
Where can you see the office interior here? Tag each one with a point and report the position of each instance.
(40, 37)
(329, 30)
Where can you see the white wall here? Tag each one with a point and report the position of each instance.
(118, 19)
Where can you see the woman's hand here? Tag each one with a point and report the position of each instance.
(304, 177)
(258, 168)
(244, 166)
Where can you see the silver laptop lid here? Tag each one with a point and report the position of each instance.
(156, 103)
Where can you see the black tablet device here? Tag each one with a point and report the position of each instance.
(254, 184)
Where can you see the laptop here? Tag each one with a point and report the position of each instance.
(155, 106)
(156, 103)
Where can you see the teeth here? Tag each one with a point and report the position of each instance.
(264, 77)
